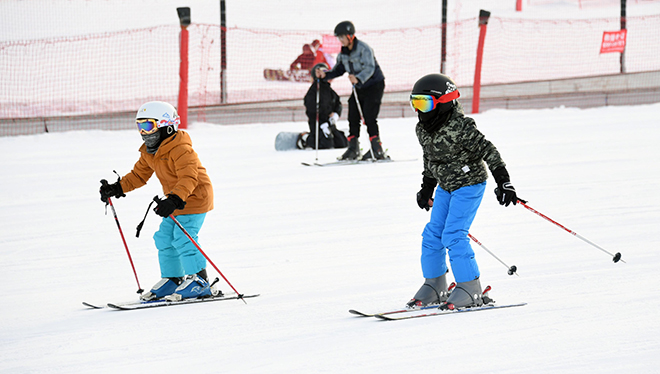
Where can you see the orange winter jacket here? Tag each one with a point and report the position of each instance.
(179, 170)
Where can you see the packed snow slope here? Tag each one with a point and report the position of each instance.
(315, 242)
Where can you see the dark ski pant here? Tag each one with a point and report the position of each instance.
(451, 217)
(370, 99)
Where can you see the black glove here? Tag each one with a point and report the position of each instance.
(504, 192)
(426, 193)
(110, 190)
(167, 206)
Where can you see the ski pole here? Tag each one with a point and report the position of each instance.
(130, 259)
(318, 88)
(616, 257)
(240, 296)
(512, 269)
(357, 102)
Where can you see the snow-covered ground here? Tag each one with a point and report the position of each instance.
(315, 242)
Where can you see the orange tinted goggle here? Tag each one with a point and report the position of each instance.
(426, 103)
(147, 126)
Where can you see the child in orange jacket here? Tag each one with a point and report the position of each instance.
(167, 152)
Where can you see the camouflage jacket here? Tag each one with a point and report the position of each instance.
(454, 154)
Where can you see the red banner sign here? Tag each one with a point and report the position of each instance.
(613, 41)
(331, 44)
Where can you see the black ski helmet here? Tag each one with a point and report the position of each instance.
(441, 87)
(345, 28)
(321, 65)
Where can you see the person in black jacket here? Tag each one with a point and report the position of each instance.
(358, 60)
(329, 107)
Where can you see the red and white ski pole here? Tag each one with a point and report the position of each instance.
(130, 259)
(512, 269)
(615, 257)
(364, 122)
(240, 296)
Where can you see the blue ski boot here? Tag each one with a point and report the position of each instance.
(192, 287)
(164, 287)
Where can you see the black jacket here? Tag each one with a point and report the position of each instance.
(329, 102)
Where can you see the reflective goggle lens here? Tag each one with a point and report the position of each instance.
(423, 103)
(426, 103)
(147, 126)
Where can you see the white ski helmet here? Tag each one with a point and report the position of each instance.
(161, 111)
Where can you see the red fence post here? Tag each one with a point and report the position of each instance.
(483, 21)
(182, 106)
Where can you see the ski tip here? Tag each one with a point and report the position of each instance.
(91, 305)
(358, 313)
(383, 317)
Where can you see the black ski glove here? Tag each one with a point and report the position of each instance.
(426, 193)
(167, 206)
(110, 190)
(504, 192)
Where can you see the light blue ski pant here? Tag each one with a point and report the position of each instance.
(451, 217)
(177, 255)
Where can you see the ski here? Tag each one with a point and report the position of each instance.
(406, 310)
(355, 162)
(445, 312)
(398, 311)
(93, 306)
(161, 302)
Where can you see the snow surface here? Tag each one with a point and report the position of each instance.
(315, 242)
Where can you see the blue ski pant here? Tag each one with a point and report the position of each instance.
(177, 255)
(451, 217)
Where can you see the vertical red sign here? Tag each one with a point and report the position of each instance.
(331, 44)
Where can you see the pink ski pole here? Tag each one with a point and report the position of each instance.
(240, 296)
(615, 257)
(512, 269)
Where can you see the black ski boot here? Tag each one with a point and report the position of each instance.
(353, 151)
(377, 148)
(301, 142)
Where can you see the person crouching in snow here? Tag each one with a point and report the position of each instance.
(329, 107)
(454, 155)
(167, 151)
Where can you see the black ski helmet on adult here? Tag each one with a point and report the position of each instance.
(439, 86)
(345, 28)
